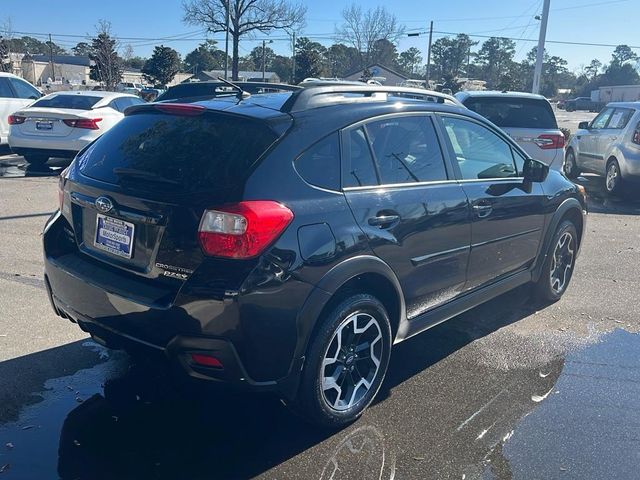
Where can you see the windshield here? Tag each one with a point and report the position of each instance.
(74, 102)
(514, 112)
(179, 152)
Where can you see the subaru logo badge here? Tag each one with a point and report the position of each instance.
(103, 204)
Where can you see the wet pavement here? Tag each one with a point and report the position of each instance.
(504, 391)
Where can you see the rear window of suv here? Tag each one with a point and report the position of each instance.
(154, 151)
(74, 102)
(514, 112)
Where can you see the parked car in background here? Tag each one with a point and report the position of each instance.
(15, 93)
(285, 242)
(580, 103)
(129, 87)
(63, 123)
(527, 118)
(195, 91)
(609, 145)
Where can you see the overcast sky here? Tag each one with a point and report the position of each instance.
(145, 23)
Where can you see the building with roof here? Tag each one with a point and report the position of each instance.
(59, 69)
(379, 73)
(243, 76)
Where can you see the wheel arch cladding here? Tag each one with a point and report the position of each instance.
(362, 274)
(570, 209)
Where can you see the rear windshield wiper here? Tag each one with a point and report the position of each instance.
(144, 175)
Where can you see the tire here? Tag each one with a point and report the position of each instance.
(613, 179)
(558, 266)
(322, 399)
(36, 159)
(570, 165)
(570, 109)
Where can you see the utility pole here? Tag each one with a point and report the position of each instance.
(53, 69)
(226, 43)
(293, 58)
(263, 59)
(540, 52)
(428, 75)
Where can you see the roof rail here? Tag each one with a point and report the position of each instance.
(314, 97)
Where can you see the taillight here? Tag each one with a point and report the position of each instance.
(16, 119)
(242, 230)
(636, 135)
(88, 123)
(550, 141)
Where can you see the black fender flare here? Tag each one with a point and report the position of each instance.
(321, 294)
(566, 206)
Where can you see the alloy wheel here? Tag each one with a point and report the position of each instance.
(562, 262)
(570, 165)
(351, 361)
(613, 177)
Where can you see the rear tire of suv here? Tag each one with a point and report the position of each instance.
(613, 178)
(558, 266)
(570, 165)
(346, 362)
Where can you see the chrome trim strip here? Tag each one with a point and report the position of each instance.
(424, 258)
(507, 237)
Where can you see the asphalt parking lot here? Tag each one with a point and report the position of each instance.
(504, 391)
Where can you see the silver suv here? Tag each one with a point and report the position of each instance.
(527, 118)
(609, 145)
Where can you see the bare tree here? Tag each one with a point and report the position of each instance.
(363, 29)
(245, 17)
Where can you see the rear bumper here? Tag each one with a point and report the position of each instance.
(57, 145)
(44, 152)
(253, 335)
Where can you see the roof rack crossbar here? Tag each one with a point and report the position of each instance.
(313, 97)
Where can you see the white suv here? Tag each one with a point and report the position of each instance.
(15, 93)
(527, 118)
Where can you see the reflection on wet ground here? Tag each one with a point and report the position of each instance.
(12, 166)
(446, 411)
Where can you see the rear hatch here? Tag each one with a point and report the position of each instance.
(529, 121)
(50, 122)
(139, 191)
(56, 115)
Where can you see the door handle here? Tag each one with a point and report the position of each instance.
(384, 221)
(482, 210)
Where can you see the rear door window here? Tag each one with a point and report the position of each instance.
(359, 168)
(406, 150)
(73, 102)
(513, 112)
(5, 89)
(320, 164)
(24, 90)
(154, 151)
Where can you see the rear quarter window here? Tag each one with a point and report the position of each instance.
(513, 112)
(320, 164)
(153, 151)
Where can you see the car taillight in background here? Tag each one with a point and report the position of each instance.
(88, 123)
(636, 135)
(16, 119)
(550, 141)
(242, 230)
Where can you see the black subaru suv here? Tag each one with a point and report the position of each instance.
(286, 241)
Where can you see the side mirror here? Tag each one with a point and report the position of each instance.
(583, 125)
(535, 171)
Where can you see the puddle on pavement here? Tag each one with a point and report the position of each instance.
(574, 416)
(12, 167)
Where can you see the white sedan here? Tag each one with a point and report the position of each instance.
(63, 123)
